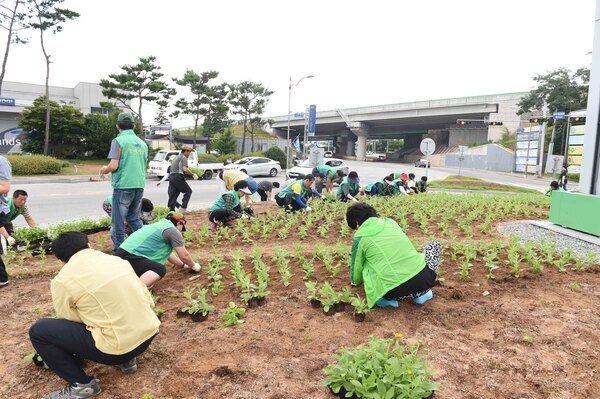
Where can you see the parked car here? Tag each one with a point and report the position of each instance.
(422, 163)
(328, 154)
(256, 166)
(376, 156)
(304, 167)
(160, 163)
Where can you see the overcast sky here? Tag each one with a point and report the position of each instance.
(361, 52)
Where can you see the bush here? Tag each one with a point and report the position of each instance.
(26, 165)
(276, 154)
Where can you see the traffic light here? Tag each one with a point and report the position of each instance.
(462, 122)
(577, 120)
(494, 123)
(538, 121)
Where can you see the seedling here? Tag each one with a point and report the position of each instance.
(231, 316)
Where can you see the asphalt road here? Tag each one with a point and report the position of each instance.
(54, 200)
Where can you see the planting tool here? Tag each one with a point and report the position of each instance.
(194, 277)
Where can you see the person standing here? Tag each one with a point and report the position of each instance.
(5, 178)
(386, 261)
(177, 183)
(563, 179)
(128, 159)
(103, 314)
(265, 188)
(17, 206)
(148, 249)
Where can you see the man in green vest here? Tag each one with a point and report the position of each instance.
(348, 188)
(17, 206)
(294, 196)
(228, 206)
(148, 249)
(128, 159)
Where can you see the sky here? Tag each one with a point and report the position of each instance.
(361, 53)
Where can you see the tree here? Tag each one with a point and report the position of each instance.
(224, 142)
(99, 130)
(207, 101)
(161, 117)
(248, 100)
(12, 21)
(67, 128)
(141, 82)
(559, 90)
(45, 15)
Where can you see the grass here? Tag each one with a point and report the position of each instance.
(71, 170)
(471, 183)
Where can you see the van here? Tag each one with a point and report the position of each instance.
(161, 161)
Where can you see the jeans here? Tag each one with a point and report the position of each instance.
(63, 343)
(126, 206)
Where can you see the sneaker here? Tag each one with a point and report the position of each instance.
(128, 367)
(383, 303)
(3, 284)
(77, 391)
(423, 298)
(182, 210)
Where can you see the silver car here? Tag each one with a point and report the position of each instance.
(256, 166)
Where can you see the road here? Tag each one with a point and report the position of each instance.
(52, 201)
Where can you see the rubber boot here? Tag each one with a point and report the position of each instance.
(423, 298)
(383, 303)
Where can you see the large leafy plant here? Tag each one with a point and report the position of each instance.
(383, 369)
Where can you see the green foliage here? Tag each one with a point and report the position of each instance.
(23, 165)
(142, 82)
(231, 316)
(275, 154)
(198, 304)
(224, 142)
(383, 369)
(507, 139)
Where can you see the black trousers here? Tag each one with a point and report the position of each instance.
(62, 343)
(262, 193)
(178, 185)
(4, 222)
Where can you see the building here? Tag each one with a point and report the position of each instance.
(16, 96)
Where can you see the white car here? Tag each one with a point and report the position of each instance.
(304, 167)
(328, 154)
(161, 161)
(256, 166)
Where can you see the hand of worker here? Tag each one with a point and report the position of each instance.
(195, 176)
(196, 267)
(10, 240)
(307, 209)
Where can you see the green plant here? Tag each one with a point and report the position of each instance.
(382, 369)
(198, 304)
(360, 304)
(231, 316)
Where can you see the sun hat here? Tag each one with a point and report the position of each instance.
(246, 190)
(176, 218)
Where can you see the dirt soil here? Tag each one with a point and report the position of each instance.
(532, 337)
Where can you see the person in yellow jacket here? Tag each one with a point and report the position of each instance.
(227, 179)
(103, 314)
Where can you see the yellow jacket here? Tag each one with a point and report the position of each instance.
(104, 293)
(232, 176)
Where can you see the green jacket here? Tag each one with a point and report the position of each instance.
(149, 242)
(382, 258)
(353, 188)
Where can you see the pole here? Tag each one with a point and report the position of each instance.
(551, 148)
(542, 139)
(287, 143)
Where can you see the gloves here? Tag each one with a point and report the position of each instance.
(195, 176)
(157, 184)
(245, 216)
(196, 267)
(11, 241)
(307, 209)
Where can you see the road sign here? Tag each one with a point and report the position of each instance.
(558, 115)
(298, 114)
(312, 119)
(427, 146)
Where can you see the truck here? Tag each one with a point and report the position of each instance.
(158, 166)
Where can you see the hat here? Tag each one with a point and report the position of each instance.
(176, 218)
(246, 190)
(125, 117)
(354, 180)
(404, 177)
(186, 147)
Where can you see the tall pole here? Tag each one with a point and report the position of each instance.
(288, 144)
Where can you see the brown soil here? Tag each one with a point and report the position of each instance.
(532, 337)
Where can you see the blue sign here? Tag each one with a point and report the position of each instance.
(312, 119)
(558, 115)
(10, 102)
(298, 114)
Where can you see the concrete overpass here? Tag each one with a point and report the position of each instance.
(410, 121)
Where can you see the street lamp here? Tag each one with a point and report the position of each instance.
(287, 152)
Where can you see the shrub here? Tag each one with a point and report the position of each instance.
(382, 369)
(276, 154)
(26, 165)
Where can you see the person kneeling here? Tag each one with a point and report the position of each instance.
(89, 295)
(149, 248)
(228, 207)
(385, 260)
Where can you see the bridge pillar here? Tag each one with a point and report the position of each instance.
(361, 148)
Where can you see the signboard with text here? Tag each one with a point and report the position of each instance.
(527, 149)
(312, 119)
